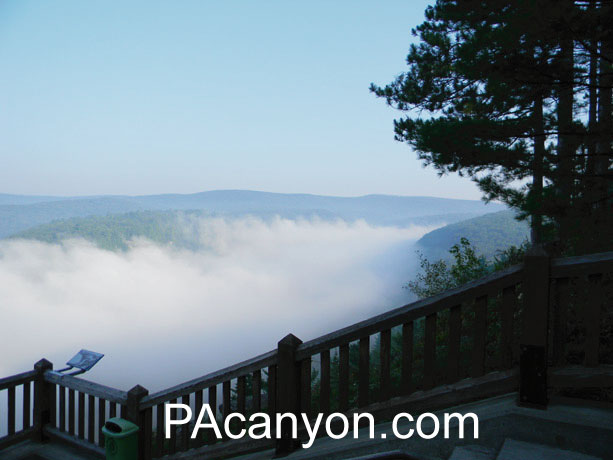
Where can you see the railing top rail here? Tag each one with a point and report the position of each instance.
(85, 386)
(496, 281)
(214, 378)
(17, 379)
(582, 265)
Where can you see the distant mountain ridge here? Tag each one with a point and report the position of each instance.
(20, 212)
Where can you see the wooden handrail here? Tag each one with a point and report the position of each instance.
(17, 379)
(85, 386)
(214, 378)
(488, 284)
(582, 265)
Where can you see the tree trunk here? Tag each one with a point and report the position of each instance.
(537, 173)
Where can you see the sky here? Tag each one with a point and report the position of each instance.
(145, 97)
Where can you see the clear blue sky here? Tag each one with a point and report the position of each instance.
(139, 97)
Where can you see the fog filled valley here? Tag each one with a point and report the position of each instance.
(179, 294)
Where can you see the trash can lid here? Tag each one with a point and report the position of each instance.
(117, 427)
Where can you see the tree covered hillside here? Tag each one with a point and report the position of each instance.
(488, 233)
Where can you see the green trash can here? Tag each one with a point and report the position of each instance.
(121, 439)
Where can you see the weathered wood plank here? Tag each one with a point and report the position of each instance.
(226, 401)
(479, 336)
(172, 442)
(272, 390)
(198, 401)
(27, 406)
(343, 377)
(507, 325)
(184, 428)
(305, 386)
(453, 344)
(490, 284)
(593, 308)
(407, 358)
(81, 415)
(560, 318)
(62, 407)
(430, 352)
(241, 397)
(256, 391)
(87, 387)
(159, 431)
(212, 391)
(91, 419)
(112, 409)
(324, 403)
(17, 379)
(11, 402)
(385, 356)
(101, 419)
(582, 265)
(364, 372)
(71, 411)
(214, 378)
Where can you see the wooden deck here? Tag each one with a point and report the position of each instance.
(29, 450)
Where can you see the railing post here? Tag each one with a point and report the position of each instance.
(43, 399)
(533, 348)
(288, 392)
(142, 418)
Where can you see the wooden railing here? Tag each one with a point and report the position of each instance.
(19, 422)
(510, 331)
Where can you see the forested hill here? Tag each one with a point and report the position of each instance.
(19, 213)
(174, 227)
(488, 233)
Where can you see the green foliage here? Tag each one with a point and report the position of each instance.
(116, 231)
(439, 276)
(497, 91)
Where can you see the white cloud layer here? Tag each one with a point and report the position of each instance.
(163, 315)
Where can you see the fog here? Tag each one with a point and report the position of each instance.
(163, 315)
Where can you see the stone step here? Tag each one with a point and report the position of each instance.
(473, 453)
(512, 450)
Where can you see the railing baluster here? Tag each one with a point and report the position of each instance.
(272, 390)
(71, 411)
(343, 377)
(509, 298)
(256, 389)
(11, 410)
(112, 409)
(81, 415)
(198, 398)
(407, 358)
(91, 418)
(453, 345)
(241, 384)
(385, 353)
(62, 408)
(211, 438)
(101, 419)
(185, 428)
(479, 336)
(226, 401)
(172, 448)
(324, 392)
(305, 386)
(560, 318)
(26, 406)
(430, 351)
(364, 372)
(159, 431)
(593, 309)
